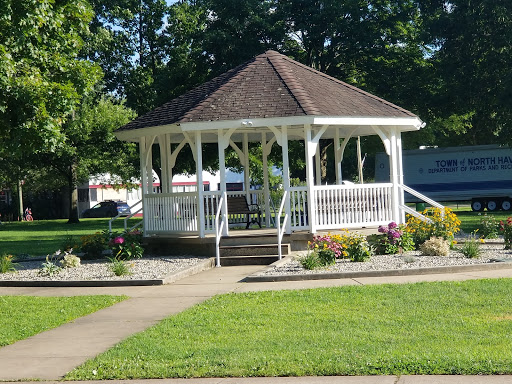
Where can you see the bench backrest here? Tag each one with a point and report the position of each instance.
(236, 204)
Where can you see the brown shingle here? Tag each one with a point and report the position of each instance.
(269, 85)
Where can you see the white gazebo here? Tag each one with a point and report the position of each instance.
(270, 99)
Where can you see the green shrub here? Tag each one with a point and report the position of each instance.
(127, 246)
(506, 229)
(395, 239)
(489, 227)
(119, 267)
(6, 264)
(310, 261)
(94, 245)
(50, 267)
(471, 248)
(443, 223)
(435, 246)
(326, 257)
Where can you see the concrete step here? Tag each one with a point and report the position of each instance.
(254, 249)
(229, 261)
(251, 239)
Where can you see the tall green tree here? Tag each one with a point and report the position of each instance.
(90, 148)
(41, 80)
(474, 101)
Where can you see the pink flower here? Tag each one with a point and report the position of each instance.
(119, 240)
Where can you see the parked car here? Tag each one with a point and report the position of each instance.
(108, 208)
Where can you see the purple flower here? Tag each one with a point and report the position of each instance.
(119, 240)
(382, 229)
(392, 225)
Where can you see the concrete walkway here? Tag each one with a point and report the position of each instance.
(51, 354)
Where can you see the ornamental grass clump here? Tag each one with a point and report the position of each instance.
(395, 239)
(442, 223)
(471, 247)
(435, 246)
(69, 260)
(506, 230)
(7, 264)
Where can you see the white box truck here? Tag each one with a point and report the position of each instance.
(481, 174)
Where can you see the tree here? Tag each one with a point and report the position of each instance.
(474, 100)
(41, 79)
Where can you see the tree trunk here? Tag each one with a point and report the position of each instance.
(73, 195)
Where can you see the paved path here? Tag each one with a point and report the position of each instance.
(51, 354)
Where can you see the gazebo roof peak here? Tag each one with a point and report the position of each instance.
(270, 85)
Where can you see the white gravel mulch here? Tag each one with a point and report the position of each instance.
(489, 252)
(147, 268)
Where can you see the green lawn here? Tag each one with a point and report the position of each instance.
(42, 237)
(425, 328)
(25, 316)
(472, 220)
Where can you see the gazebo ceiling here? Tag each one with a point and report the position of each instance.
(270, 90)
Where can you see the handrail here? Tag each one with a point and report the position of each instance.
(273, 207)
(421, 197)
(280, 233)
(127, 217)
(218, 230)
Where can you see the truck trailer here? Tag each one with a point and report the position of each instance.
(481, 174)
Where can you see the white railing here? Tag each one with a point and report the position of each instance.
(299, 208)
(280, 232)
(126, 218)
(177, 212)
(339, 206)
(218, 230)
(211, 203)
(422, 197)
(166, 212)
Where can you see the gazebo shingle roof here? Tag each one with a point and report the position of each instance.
(267, 86)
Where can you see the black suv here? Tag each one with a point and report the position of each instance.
(107, 208)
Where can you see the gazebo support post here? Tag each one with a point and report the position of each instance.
(144, 181)
(310, 176)
(394, 177)
(200, 187)
(223, 143)
(286, 177)
(266, 190)
(247, 171)
(337, 157)
(165, 183)
(401, 174)
(318, 168)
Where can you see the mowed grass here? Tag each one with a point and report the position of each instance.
(43, 237)
(471, 221)
(424, 328)
(25, 316)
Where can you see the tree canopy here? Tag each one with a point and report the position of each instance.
(66, 63)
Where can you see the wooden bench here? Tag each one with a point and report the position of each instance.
(237, 205)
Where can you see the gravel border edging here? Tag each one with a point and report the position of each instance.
(173, 277)
(382, 273)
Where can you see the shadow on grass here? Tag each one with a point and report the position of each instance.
(42, 237)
